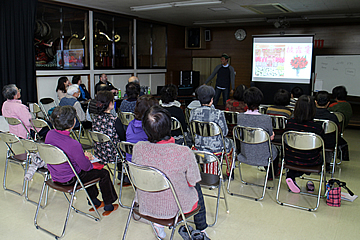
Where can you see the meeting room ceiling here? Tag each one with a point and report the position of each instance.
(232, 12)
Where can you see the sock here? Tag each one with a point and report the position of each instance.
(109, 207)
(96, 202)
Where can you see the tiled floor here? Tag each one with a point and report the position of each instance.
(247, 219)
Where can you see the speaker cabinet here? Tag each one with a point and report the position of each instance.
(194, 38)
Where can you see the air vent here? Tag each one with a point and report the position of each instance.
(271, 8)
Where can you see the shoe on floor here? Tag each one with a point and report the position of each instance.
(310, 187)
(125, 184)
(107, 213)
(183, 232)
(97, 207)
(292, 185)
(160, 231)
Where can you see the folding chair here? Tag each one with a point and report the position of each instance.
(53, 155)
(46, 104)
(150, 179)
(15, 122)
(175, 125)
(212, 181)
(38, 123)
(101, 138)
(36, 110)
(250, 135)
(341, 120)
(31, 147)
(126, 147)
(304, 141)
(187, 117)
(278, 124)
(11, 157)
(89, 145)
(330, 128)
(210, 129)
(231, 120)
(126, 117)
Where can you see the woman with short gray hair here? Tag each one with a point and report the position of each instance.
(14, 108)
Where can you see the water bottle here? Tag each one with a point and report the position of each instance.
(149, 91)
(119, 93)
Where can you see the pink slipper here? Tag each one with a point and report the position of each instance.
(292, 185)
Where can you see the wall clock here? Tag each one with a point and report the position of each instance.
(240, 34)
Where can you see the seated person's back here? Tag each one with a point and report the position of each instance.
(281, 100)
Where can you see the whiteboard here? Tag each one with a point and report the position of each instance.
(336, 70)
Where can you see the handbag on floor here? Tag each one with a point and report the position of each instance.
(333, 192)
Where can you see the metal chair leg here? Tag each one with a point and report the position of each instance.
(121, 187)
(5, 175)
(128, 220)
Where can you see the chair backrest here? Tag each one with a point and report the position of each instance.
(39, 123)
(15, 121)
(126, 117)
(205, 129)
(328, 126)
(46, 104)
(250, 135)
(203, 157)
(29, 145)
(9, 138)
(126, 147)
(51, 154)
(99, 137)
(187, 114)
(341, 119)
(175, 125)
(262, 109)
(278, 122)
(148, 179)
(231, 117)
(302, 140)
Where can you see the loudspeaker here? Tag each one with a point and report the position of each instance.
(207, 36)
(190, 78)
(194, 38)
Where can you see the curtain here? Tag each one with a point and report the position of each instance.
(17, 53)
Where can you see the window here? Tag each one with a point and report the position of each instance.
(112, 42)
(61, 38)
(151, 45)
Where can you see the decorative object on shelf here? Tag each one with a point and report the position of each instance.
(298, 63)
(240, 34)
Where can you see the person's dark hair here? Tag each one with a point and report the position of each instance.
(168, 93)
(239, 93)
(156, 123)
(75, 79)
(205, 94)
(282, 97)
(305, 109)
(9, 91)
(63, 117)
(297, 92)
(253, 97)
(103, 99)
(61, 84)
(322, 98)
(142, 104)
(339, 93)
(132, 90)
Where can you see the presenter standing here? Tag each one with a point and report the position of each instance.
(225, 77)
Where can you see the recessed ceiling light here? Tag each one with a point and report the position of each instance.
(217, 9)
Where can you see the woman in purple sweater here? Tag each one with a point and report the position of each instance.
(64, 121)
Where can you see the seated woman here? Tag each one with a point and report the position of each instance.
(302, 121)
(14, 108)
(63, 84)
(135, 132)
(252, 118)
(168, 101)
(339, 93)
(84, 94)
(177, 162)
(281, 100)
(207, 113)
(132, 91)
(237, 104)
(64, 121)
(108, 124)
